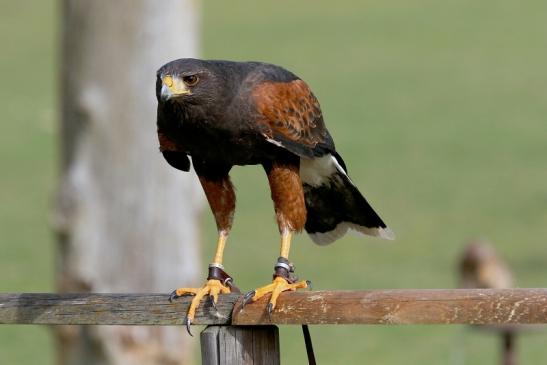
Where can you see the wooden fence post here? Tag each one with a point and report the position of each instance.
(226, 345)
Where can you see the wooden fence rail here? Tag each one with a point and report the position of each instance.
(401, 306)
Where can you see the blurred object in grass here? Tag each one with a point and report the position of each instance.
(481, 267)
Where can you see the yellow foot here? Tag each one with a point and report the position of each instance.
(212, 288)
(278, 286)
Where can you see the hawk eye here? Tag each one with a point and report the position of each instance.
(190, 80)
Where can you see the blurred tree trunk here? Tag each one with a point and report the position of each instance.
(127, 222)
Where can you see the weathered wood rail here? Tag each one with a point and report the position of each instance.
(247, 335)
(400, 306)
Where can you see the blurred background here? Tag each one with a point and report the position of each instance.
(438, 108)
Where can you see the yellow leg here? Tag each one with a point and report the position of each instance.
(285, 244)
(212, 288)
(279, 284)
(221, 243)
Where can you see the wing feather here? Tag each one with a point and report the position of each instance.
(290, 117)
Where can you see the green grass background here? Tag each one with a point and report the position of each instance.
(439, 109)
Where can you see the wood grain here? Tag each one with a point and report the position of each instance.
(401, 306)
(106, 309)
(245, 345)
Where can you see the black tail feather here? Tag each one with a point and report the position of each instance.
(336, 206)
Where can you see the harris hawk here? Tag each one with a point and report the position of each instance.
(224, 113)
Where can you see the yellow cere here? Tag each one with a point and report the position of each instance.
(168, 81)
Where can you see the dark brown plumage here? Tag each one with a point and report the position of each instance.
(224, 113)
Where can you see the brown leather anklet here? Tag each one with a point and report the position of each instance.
(284, 269)
(216, 272)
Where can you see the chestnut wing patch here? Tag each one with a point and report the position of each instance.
(290, 116)
(167, 144)
(173, 153)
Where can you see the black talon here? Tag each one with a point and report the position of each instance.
(269, 309)
(188, 323)
(173, 295)
(249, 295)
(213, 303)
(247, 298)
(308, 283)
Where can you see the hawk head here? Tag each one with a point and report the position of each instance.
(189, 81)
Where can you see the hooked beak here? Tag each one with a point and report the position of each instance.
(172, 87)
